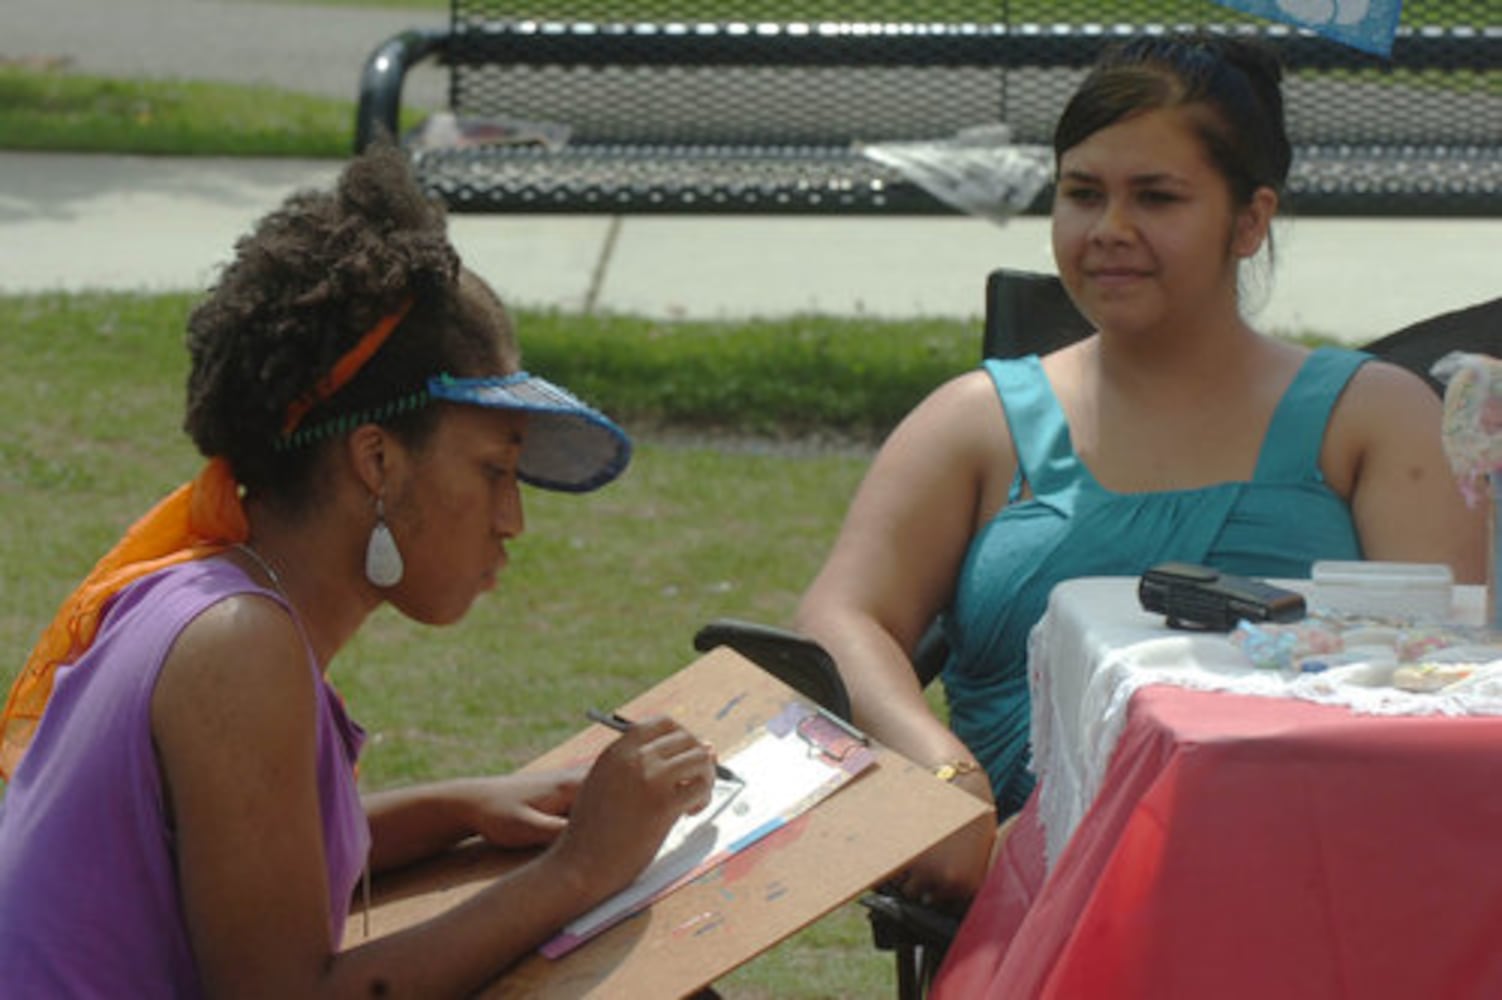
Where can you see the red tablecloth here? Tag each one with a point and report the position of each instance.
(1261, 848)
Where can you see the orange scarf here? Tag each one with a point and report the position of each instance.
(197, 519)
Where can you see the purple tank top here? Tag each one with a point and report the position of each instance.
(89, 902)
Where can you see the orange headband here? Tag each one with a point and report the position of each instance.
(345, 368)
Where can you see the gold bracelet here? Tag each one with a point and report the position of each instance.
(950, 770)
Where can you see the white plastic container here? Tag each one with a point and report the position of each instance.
(1402, 590)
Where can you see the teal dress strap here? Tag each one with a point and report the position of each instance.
(1289, 452)
(1040, 434)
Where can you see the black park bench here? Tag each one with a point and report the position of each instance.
(760, 106)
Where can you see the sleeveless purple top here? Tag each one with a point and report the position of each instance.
(89, 902)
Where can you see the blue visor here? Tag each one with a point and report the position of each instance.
(569, 445)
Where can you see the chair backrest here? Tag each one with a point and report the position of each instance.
(1028, 312)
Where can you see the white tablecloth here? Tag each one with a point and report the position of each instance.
(1095, 646)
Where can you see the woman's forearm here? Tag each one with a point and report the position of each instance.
(409, 824)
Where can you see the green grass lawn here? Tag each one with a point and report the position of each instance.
(57, 111)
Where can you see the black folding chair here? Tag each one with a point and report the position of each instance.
(1026, 313)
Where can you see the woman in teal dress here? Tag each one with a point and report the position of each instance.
(1176, 431)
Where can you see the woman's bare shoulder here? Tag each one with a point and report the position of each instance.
(961, 415)
(244, 651)
(1387, 376)
(1384, 394)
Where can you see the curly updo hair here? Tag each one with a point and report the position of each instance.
(311, 279)
(1230, 86)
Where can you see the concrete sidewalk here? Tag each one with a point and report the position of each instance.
(120, 222)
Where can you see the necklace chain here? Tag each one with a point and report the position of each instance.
(276, 579)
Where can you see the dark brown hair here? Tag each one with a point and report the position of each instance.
(311, 279)
(1231, 86)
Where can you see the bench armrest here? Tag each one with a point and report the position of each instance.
(381, 80)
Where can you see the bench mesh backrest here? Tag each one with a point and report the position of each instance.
(833, 105)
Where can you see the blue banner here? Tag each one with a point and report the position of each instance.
(1368, 25)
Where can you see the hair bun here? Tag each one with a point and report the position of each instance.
(1256, 59)
(1261, 66)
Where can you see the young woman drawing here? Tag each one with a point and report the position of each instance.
(182, 816)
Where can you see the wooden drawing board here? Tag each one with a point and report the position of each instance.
(853, 840)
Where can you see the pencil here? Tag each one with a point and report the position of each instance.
(618, 722)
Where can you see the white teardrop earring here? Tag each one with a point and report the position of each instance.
(383, 560)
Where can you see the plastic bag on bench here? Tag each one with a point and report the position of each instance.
(445, 130)
(979, 170)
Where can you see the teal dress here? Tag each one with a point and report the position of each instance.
(1276, 525)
